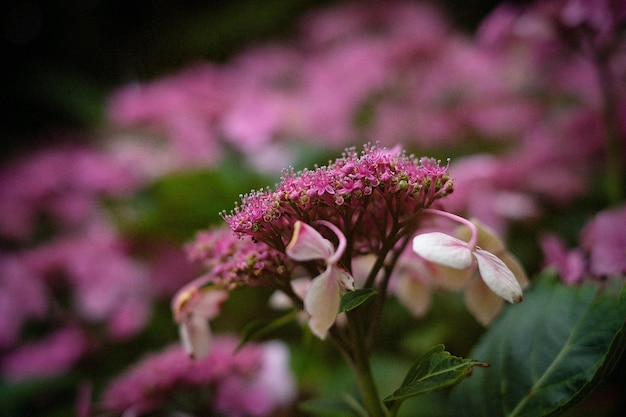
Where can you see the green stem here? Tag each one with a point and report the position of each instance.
(381, 297)
(361, 366)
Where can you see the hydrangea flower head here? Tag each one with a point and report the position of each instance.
(361, 194)
(360, 204)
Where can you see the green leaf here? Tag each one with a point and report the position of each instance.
(546, 353)
(434, 370)
(260, 328)
(353, 299)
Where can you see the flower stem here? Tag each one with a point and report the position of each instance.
(474, 231)
(361, 366)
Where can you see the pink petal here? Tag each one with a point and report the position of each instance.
(198, 298)
(308, 244)
(209, 303)
(498, 276)
(443, 249)
(193, 306)
(322, 301)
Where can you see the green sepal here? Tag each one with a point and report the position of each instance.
(353, 299)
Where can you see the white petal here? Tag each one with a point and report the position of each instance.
(322, 302)
(498, 276)
(443, 249)
(308, 244)
(195, 335)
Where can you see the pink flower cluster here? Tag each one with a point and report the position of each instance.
(366, 202)
(364, 195)
(104, 287)
(252, 381)
(64, 265)
(569, 56)
(234, 261)
(62, 185)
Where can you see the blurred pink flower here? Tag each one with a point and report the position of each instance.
(413, 281)
(332, 95)
(252, 381)
(63, 183)
(392, 74)
(569, 263)
(104, 281)
(23, 297)
(604, 238)
(166, 258)
(183, 107)
(46, 357)
(489, 189)
(602, 250)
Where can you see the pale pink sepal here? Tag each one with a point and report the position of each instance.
(209, 302)
(414, 294)
(193, 306)
(308, 244)
(195, 336)
(322, 301)
(498, 276)
(443, 249)
(483, 303)
(516, 267)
